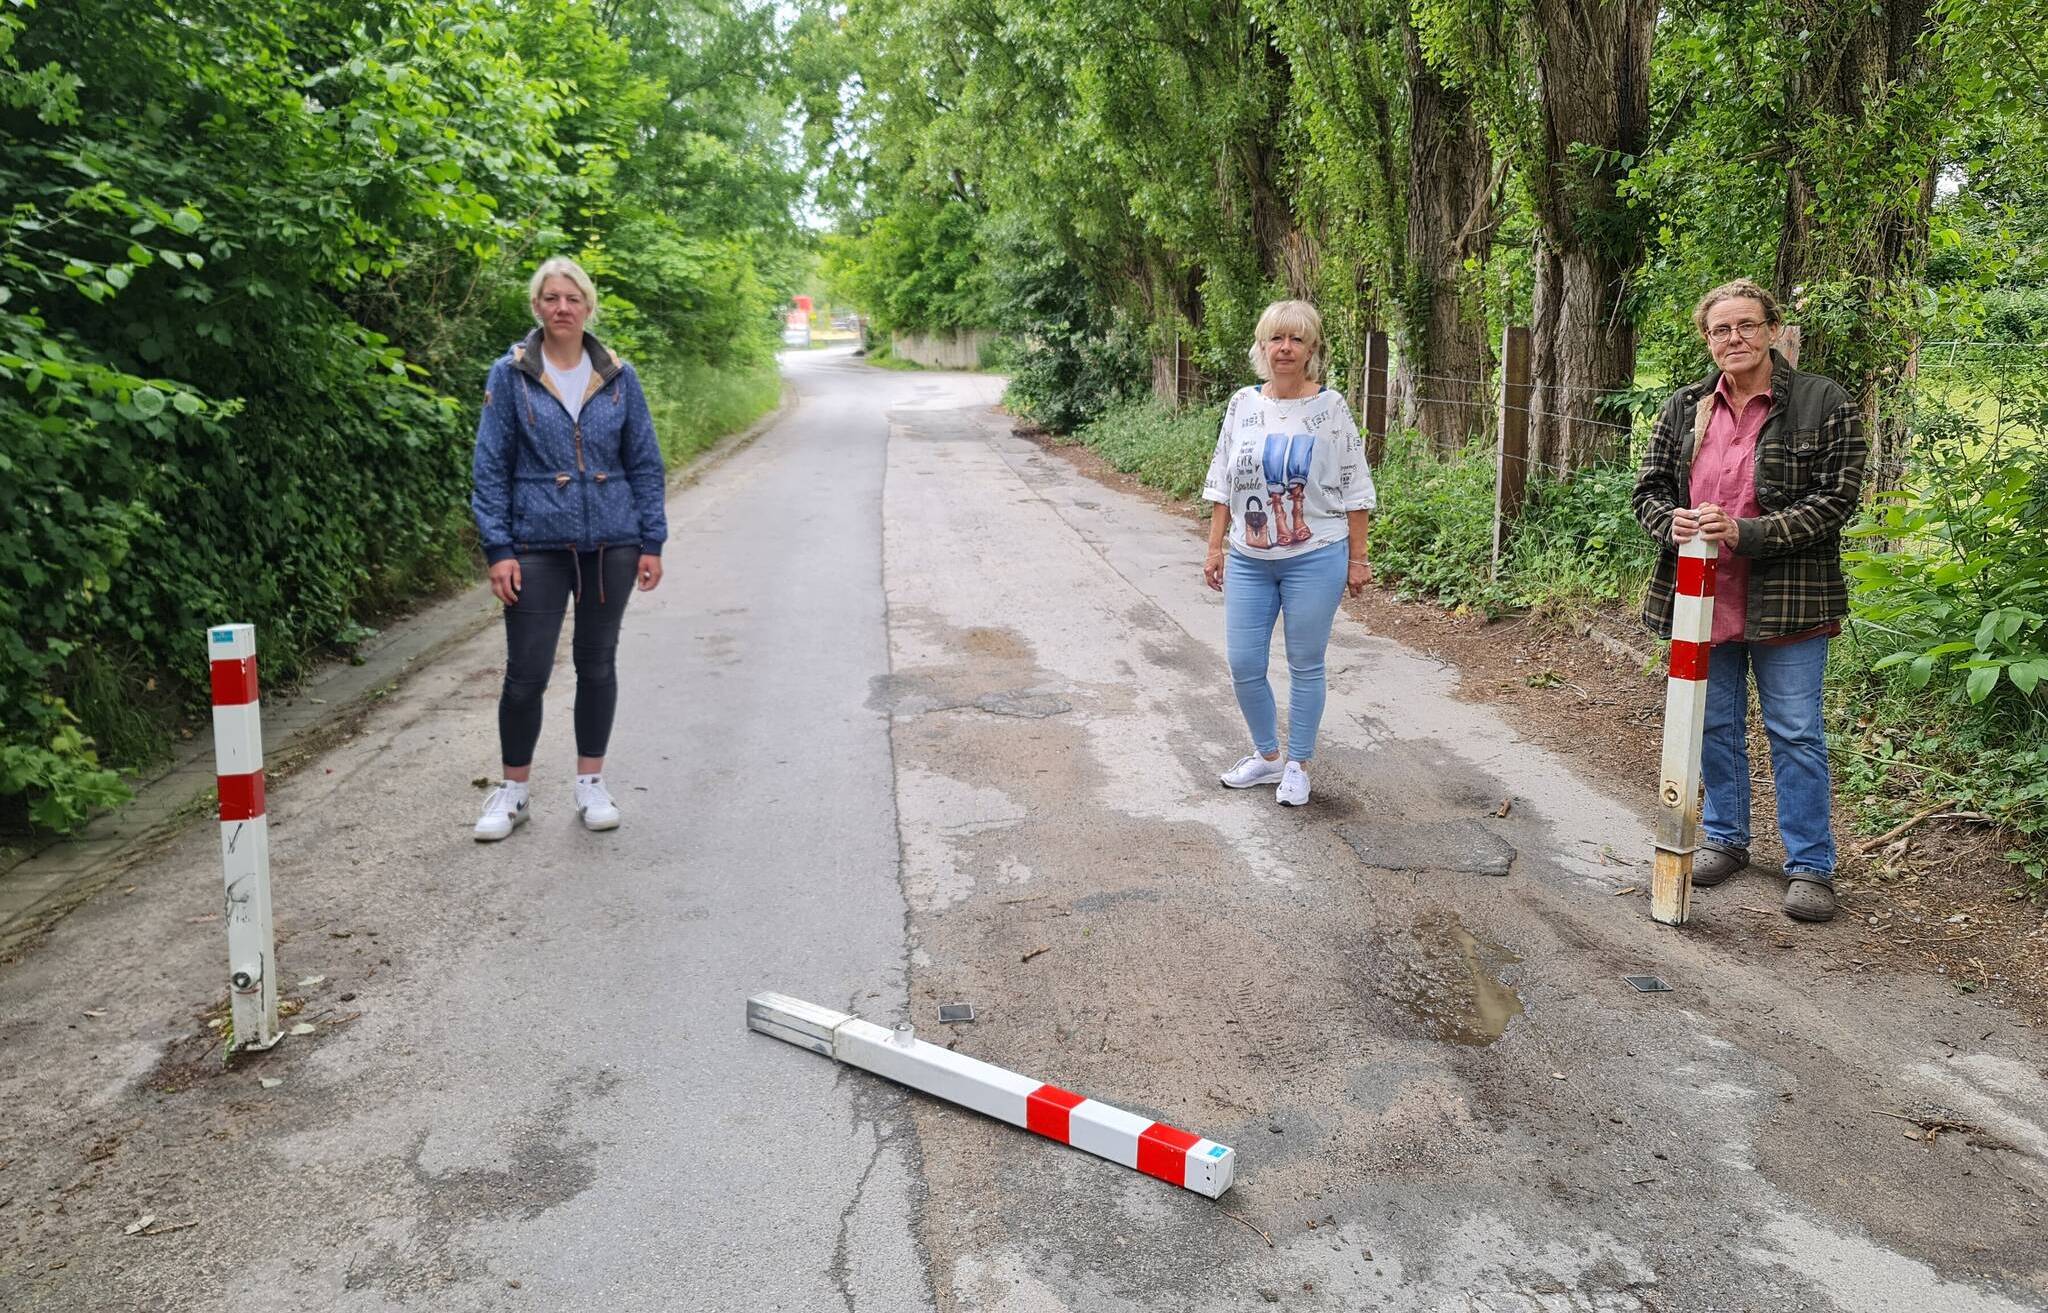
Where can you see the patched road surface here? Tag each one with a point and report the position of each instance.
(921, 715)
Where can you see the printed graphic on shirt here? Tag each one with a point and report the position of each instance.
(1289, 471)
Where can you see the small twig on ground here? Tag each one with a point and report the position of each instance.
(1859, 849)
(1042, 948)
(1011, 902)
(1242, 1222)
(1932, 1127)
(167, 1227)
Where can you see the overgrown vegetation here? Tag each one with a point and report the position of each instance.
(238, 380)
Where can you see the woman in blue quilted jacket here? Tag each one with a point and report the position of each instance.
(568, 504)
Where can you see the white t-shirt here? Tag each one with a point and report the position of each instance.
(1288, 471)
(570, 383)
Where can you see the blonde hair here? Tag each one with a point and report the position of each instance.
(561, 266)
(1740, 289)
(1297, 317)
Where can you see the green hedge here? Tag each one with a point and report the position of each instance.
(240, 382)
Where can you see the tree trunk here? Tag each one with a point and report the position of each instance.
(1577, 352)
(1287, 255)
(1176, 378)
(1849, 258)
(1441, 389)
(1593, 67)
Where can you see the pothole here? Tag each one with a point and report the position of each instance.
(1453, 984)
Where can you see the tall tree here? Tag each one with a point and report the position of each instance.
(1866, 102)
(1564, 88)
(1593, 75)
(1445, 359)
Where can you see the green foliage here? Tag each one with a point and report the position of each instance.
(696, 403)
(1165, 450)
(1433, 533)
(1076, 355)
(1954, 574)
(1577, 543)
(239, 382)
(916, 269)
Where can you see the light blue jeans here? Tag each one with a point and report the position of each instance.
(1303, 592)
(1788, 692)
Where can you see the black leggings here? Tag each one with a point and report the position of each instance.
(533, 627)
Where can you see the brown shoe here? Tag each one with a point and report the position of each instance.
(1710, 866)
(1807, 899)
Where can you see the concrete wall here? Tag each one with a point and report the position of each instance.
(956, 350)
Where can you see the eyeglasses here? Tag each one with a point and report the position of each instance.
(1748, 328)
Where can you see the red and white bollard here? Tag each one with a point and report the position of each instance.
(244, 835)
(1685, 715)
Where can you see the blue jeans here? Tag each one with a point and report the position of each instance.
(1303, 591)
(1788, 690)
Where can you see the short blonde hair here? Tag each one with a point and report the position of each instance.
(1740, 289)
(561, 266)
(1298, 317)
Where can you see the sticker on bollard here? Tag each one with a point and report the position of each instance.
(1154, 1148)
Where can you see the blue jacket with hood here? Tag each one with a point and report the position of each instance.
(546, 482)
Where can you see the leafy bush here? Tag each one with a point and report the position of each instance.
(1076, 357)
(1955, 573)
(1164, 450)
(1433, 533)
(1577, 541)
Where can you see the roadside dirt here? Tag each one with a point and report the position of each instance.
(1939, 897)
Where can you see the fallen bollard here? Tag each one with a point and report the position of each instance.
(1154, 1148)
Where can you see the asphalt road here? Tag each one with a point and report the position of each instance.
(916, 701)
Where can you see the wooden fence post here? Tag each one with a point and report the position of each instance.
(1375, 396)
(1511, 473)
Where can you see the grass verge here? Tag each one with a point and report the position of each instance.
(695, 404)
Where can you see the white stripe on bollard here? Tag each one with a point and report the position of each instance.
(244, 834)
(1685, 707)
(1154, 1148)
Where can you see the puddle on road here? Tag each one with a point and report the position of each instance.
(1454, 987)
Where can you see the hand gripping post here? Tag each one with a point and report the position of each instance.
(1154, 1148)
(1685, 709)
(244, 835)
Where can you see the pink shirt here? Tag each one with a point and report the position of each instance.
(1724, 473)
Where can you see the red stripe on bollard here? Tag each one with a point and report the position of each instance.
(1688, 660)
(241, 796)
(1048, 1111)
(234, 682)
(1695, 577)
(1163, 1152)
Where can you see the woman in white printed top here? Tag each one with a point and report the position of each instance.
(1287, 537)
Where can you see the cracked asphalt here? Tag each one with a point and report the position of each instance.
(922, 715)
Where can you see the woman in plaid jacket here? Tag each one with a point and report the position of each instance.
(1767, 462)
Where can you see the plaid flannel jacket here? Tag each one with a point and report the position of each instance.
(1809, 475)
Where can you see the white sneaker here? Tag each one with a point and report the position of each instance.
(1250, 773)
(594, 804)
(504, 810)
(1293, 790)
